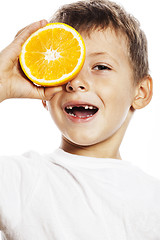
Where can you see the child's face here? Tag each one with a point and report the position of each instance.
(105, 83)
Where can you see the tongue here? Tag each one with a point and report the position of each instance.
(83, 113)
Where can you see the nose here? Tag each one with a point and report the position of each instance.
(77, 84)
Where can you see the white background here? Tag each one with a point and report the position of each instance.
(25, 125)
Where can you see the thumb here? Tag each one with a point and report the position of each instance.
(24, 33)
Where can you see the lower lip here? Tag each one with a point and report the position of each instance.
(80, 120)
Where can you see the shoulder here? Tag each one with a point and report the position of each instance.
(19, 162)
(21, 169)
(17, 170)
(140, 190)
(137, 186)
(141, 180)
(14, 166)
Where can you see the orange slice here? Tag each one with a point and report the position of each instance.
(53, 55)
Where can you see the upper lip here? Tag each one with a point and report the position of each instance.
(78, 104)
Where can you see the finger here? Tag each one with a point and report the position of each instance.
(13, 50)
(49, 92)
(21, 30)
(43, 93)
(23, 34)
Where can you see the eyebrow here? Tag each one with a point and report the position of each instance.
(103, 53)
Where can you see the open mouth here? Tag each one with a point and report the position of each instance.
(81, 111)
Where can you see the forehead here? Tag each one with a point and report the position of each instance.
(108, 42)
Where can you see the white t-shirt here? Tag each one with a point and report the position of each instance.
(61, 196)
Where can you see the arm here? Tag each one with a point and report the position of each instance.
(13, 82)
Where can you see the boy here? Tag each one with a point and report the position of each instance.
(83, 190)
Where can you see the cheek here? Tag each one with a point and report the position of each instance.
(116, 94)
(55, 110)
(117, 102)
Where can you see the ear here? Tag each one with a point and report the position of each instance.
(144, 92)
(45, 104)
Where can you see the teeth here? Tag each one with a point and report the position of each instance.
(72, 114)
(89, 107)
(85, 116)
(69, 107)
(80, 116)
(86, 107)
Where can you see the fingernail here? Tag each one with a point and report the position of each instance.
(43, 22)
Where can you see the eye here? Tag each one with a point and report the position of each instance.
(101, 67)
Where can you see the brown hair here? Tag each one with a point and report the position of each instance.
(88, 15)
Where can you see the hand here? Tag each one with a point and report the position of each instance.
(13, 82)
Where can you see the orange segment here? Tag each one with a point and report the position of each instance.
(53, 55)
(35, 45)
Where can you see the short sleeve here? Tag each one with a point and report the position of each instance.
(18, 177)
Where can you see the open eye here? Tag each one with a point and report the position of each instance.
(101, 67)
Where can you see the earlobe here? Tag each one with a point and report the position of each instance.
(143, 94)
(45, 104)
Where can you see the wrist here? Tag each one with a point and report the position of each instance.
(2, 92)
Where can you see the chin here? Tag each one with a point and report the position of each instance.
(83, 141)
